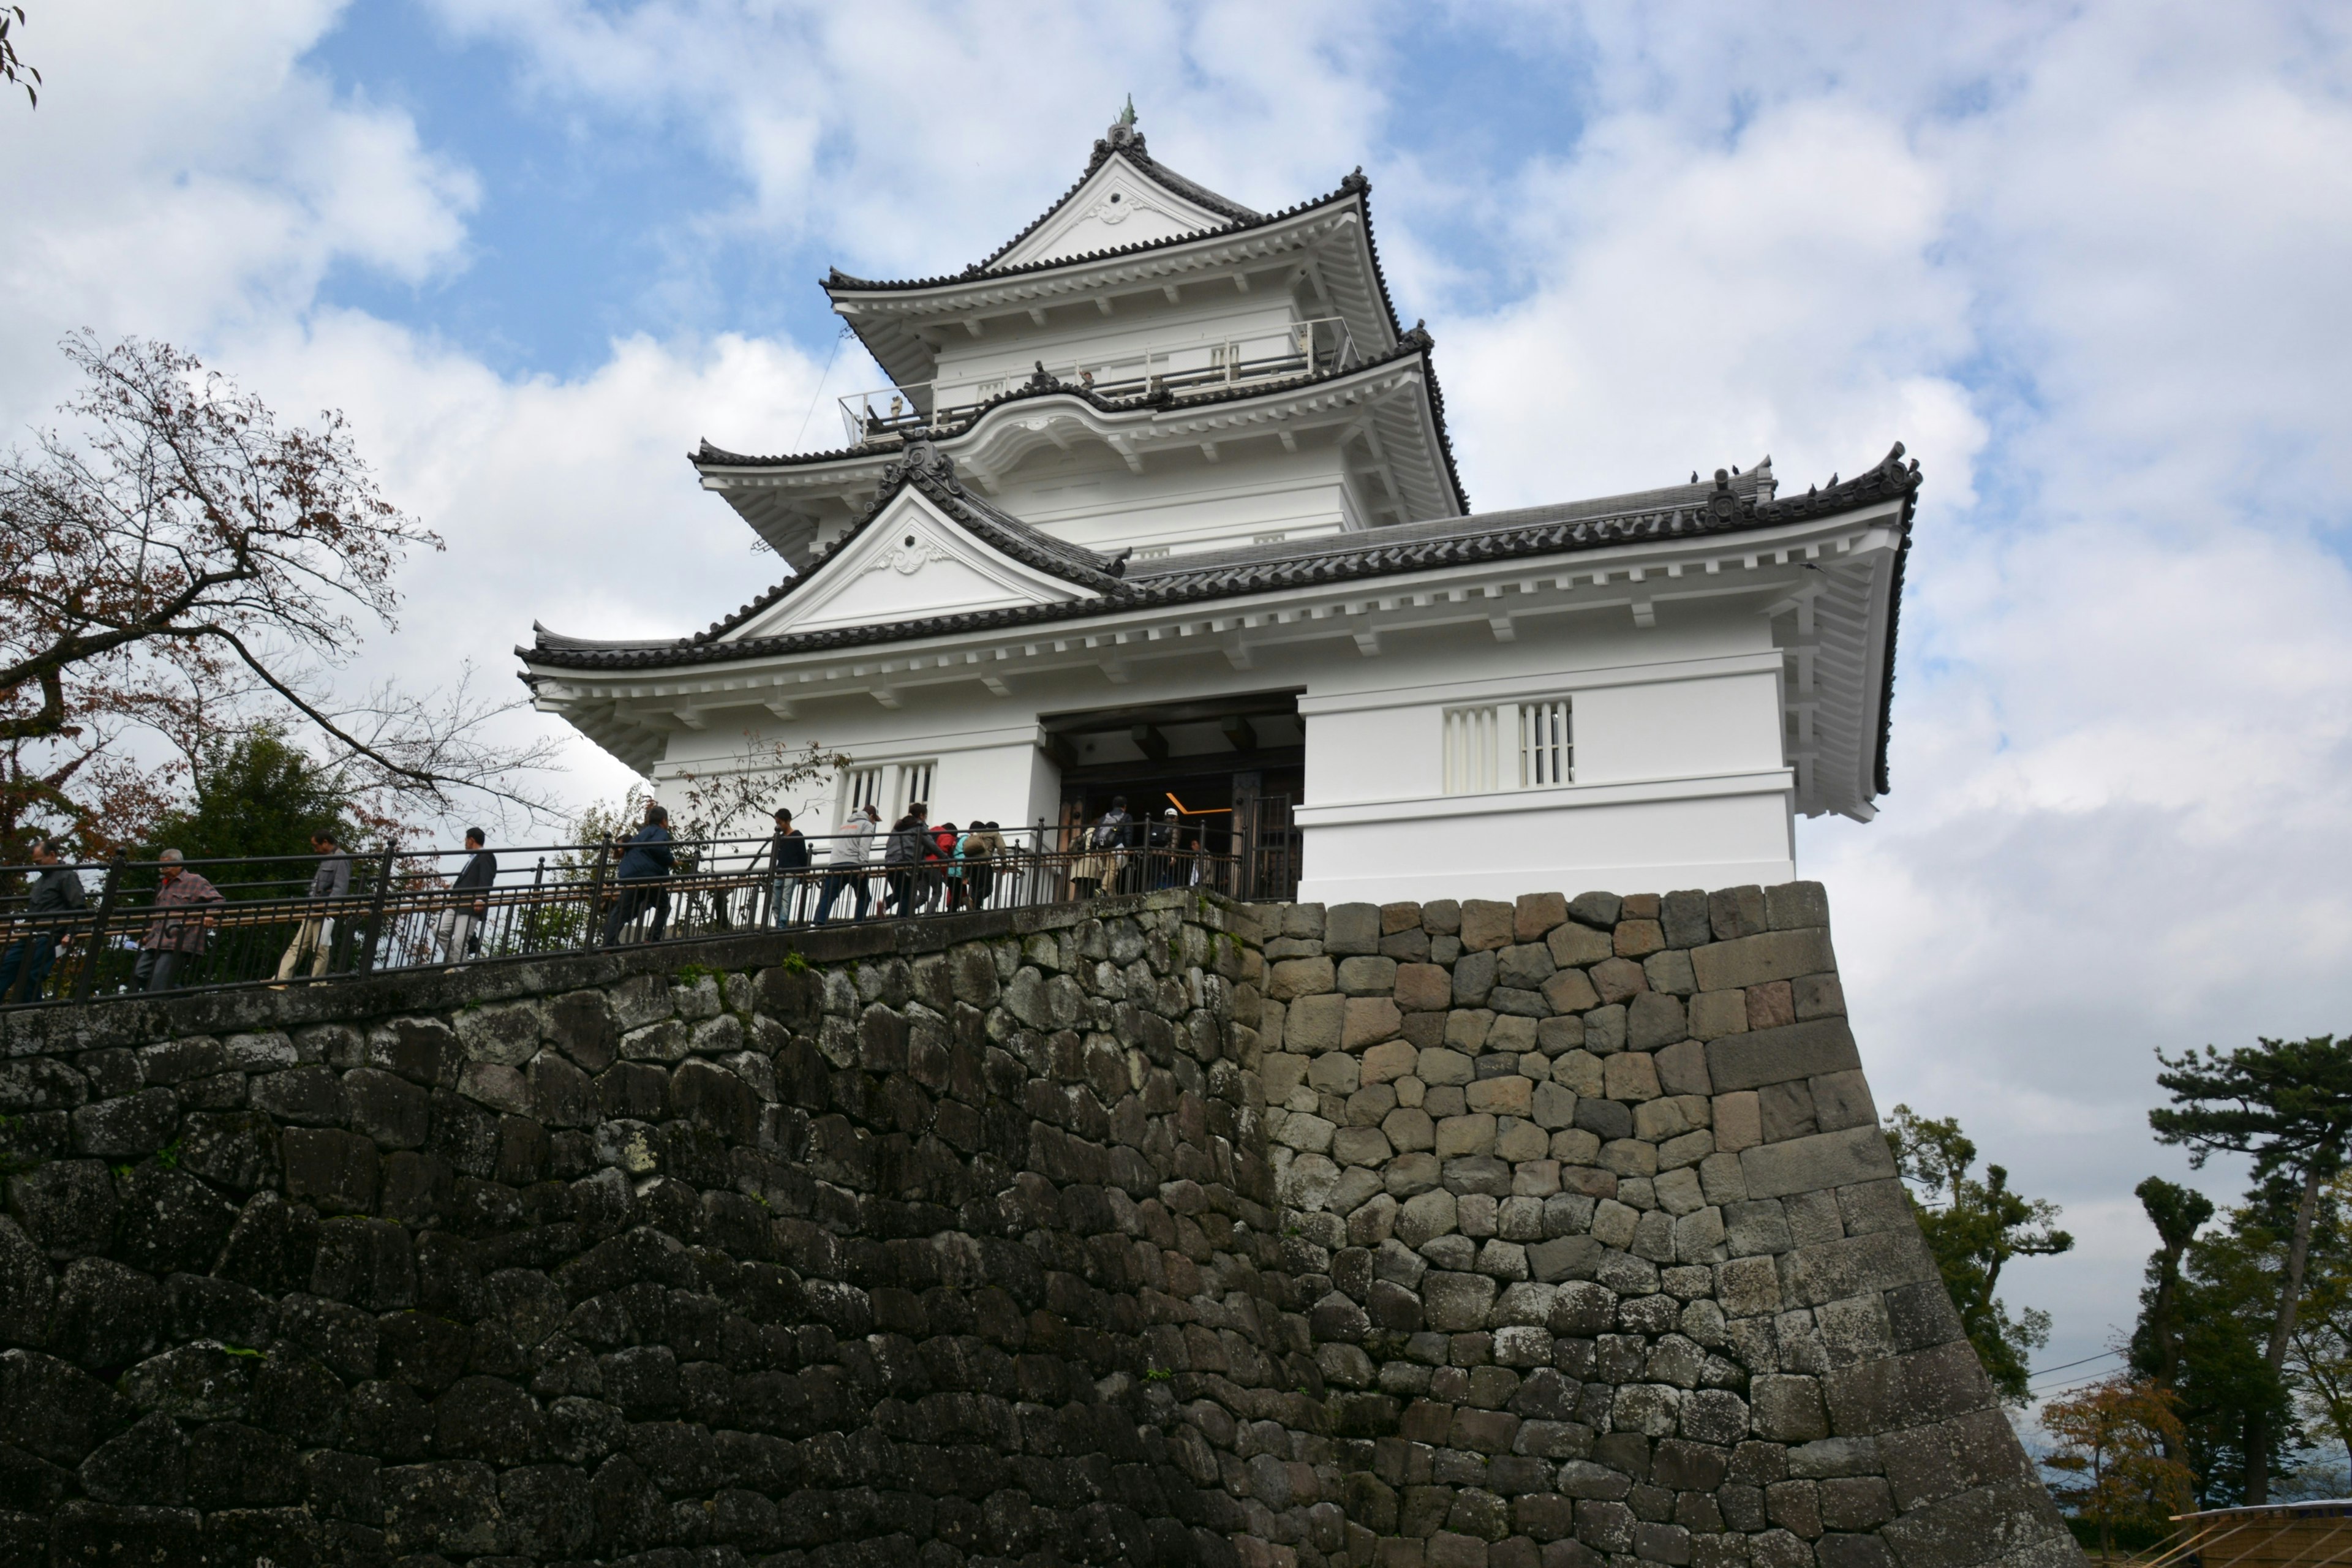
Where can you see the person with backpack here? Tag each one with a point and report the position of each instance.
(911, 844)
(847, 860)
(979, 850)
(1105, 850)
(643, 875)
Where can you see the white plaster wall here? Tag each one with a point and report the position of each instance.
(1680, 779)
(1184, 500)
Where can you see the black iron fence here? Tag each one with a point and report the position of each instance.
(166, 926)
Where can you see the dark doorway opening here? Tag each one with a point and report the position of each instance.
(1227, 768)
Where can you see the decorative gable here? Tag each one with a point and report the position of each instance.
(1116, 205)
(912, 562)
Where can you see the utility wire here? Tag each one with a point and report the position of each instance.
(2063, 1365)
(839, 338)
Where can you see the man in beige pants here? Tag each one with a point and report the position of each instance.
(316, 938)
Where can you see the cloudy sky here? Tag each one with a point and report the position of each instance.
(2087, 261)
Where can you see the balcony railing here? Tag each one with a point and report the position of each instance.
(1314, 347)
(254, 925)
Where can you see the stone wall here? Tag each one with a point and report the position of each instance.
(1164, 1231)
(1602, 1225)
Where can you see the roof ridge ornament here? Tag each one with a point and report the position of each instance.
(921, 460)
(1356, 182)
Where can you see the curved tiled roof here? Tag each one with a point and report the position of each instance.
(1416, 341)
(837, 281)
(932, 473)
(1681, 511)
(1127, 142)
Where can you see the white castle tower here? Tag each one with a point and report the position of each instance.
(1162, 504)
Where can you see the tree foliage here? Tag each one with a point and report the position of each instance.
(2288, 1105)
(2113, 1440)
(1974, 1226)
(175, 562)
(257, 795)
(13, 69)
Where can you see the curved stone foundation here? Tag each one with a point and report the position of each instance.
(1162, 1231)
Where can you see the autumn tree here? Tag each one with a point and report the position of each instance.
(2113, 1439)
(176, 565)
(1973, 1226)
(2288, 1105)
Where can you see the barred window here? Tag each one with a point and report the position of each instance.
(861, 786)
(1542, 732)
(1547, 744)
(914, 784)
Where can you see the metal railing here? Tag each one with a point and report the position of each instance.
(1313, 347)
(209, 925)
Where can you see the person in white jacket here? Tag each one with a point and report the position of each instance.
(846, 865)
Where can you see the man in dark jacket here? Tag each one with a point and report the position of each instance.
(461, 922)
(644, 873)
(56, 893)
(788, 862)
(911, 844)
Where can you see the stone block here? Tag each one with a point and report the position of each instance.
(1456, 1303)
(1527, 1005)
(1314, 1024)
(1698, 1235)
(1570, 991)
(1536, 915)
(1682, 1068)
(1409, 1173)
(1824, 1271)
(1770, 1005)
(1294, 977)
(1553, 1106)
(1441, 1066)
(1468, 1134)
(1637, 938)
(1813, 1218)
(1509, 1095)
(1754, 960)
(1733, 913)
(1351, 928)
(1714, 1014)
(1423, 988)
(1841, 1100)
(1794, 905)
(1787, 1111)
(1408, 1128)
(1786, 1409)
(1617, 979)
(502, 1032)
(1914, 1389)
(1368, 976)
(1753, 1059)
(1474, 977)
(1671, 972)
(1748, 1287)
(1518, 1141)
(1630, 1076)
(1486, 924)
(1361, 1146)
(1654, 1019)
(332, 1169)
(1384, 1063)
(127, 1128)
(1819, 996)
(1810, 1164)
(1692, 1149)
(1738, 1121)
(1368, 1020)
(1601, 909)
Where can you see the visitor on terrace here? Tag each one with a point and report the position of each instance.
(643, 875)
(57, 893)
(187, 908)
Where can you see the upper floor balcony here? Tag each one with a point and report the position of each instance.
(1318, 346)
